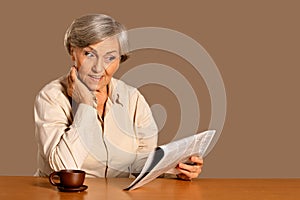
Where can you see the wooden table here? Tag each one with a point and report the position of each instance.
(99, 189)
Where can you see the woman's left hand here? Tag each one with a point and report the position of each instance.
(190, 171)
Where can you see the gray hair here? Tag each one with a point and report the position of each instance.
(93, 28)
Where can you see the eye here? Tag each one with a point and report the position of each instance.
(89, 54)
(109, 59)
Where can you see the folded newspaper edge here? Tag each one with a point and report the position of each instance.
(165, 158)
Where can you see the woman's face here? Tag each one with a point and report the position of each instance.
(97, 63)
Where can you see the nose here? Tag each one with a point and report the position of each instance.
(98, 66)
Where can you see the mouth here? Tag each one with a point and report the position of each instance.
(95, 77)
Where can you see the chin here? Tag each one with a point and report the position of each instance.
(92, 88)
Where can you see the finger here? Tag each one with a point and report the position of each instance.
(189, 173)
(196, 159)
(69, 79)
(189, 168)
(73, 74)
(70, 87)
(70, 91)
(183, 177)
(194, 171)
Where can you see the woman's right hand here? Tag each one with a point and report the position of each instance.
(78, 91)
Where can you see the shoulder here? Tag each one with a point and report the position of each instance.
(54, 89)
(123, 89)
(131, 96)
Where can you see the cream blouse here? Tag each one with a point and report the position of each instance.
(73, 137)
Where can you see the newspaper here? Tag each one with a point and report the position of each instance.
(166, 157)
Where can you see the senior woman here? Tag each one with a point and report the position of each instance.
(91, 121)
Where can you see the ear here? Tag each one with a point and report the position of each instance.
(72, 53)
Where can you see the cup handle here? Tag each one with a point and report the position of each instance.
(51, 178)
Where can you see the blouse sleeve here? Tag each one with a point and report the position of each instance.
(63, 143)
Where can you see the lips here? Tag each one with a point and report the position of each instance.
(95, 77)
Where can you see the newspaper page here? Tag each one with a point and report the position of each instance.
(166, 157)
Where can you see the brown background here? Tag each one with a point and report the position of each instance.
(255, 45)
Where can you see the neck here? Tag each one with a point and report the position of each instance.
(103, 90)
(102, 95)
